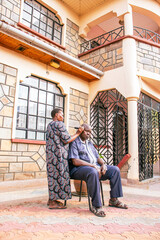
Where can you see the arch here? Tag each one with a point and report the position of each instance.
(108, 118)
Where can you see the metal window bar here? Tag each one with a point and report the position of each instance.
(148, 137)
(27, 114)
(55, 20)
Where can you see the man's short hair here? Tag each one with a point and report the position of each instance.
(54, 111)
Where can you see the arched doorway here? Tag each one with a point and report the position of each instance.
(109, 125)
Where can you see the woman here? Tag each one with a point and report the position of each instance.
(57, 146)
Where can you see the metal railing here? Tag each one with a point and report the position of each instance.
(116, 34)
(102, 39)
(147, 34)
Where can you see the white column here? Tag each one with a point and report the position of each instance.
(128, 23)
(133, 172)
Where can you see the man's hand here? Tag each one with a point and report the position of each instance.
(103, 169)
(99, 170)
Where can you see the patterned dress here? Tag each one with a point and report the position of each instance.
(57, 161)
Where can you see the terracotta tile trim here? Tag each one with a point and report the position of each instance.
(16, 140)
(119, 39)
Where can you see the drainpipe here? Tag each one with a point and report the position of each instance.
(52, 50)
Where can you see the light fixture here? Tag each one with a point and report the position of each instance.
(55, 63)
(121, 22)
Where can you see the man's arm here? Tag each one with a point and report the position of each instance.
(79, 162)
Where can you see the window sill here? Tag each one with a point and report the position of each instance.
(16, 140)
(39, 35)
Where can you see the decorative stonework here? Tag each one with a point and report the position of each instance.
(148, 57)
(78, 109)
(105, 58)
(10, 11)
(17, 160)
(73, 40)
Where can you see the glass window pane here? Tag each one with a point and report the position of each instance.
(23, 92)
(53, 88)
(35, 28)
(27, 16)
(48, 120)
(50, 98)
(50, 22)
(31, 135)
(43, 84)
(35, 22)
(22, 106)
(43, 18)
(36, 5)
(49, 30)
(48, 36)
(26, 23)
(21, 121)
(49, 109)
(31, 81)
(41, 123)
(33, 95)
(41, 110)
(42, 32)
(32, 122)
(43, 26)
(58, 101)
(42, 96)
(27, 8)
(40, 136)
(32, 108)
(20, 134)
(36, 14)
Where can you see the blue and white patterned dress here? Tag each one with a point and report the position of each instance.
(57, 146)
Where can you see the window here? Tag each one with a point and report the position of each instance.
(42, 20)
(36, 100)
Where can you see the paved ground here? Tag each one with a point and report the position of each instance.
(26, 216)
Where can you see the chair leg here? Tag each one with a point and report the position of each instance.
(80, 192)
(65, 202)
(102, 192)
(89, 199)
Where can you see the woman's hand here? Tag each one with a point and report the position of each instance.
(80, 130)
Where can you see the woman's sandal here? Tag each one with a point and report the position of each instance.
(117, 204)
(98, 212)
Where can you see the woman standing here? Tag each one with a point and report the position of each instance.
(57, 146)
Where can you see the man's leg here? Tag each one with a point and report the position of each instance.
(113, 174)
(91, 177)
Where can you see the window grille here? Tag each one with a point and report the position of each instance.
(37, 98)
(42, 20)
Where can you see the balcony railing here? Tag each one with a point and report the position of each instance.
(147, 34)
(116, 34)
(102, 39)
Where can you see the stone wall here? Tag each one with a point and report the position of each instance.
(17, 160)
(10, 11)
(78, 109)
(105, 58)
(73, 40)
(148, 57)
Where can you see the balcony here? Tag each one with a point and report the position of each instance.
(117, 34)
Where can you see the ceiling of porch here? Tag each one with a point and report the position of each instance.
(81, 7)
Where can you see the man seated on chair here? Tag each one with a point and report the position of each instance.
(85, 164)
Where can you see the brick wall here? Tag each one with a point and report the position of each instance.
(17, 160)
(10, 11)
(105, 58)
(148, 57)
(78, 109)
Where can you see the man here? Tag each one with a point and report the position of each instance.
(85, 164)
